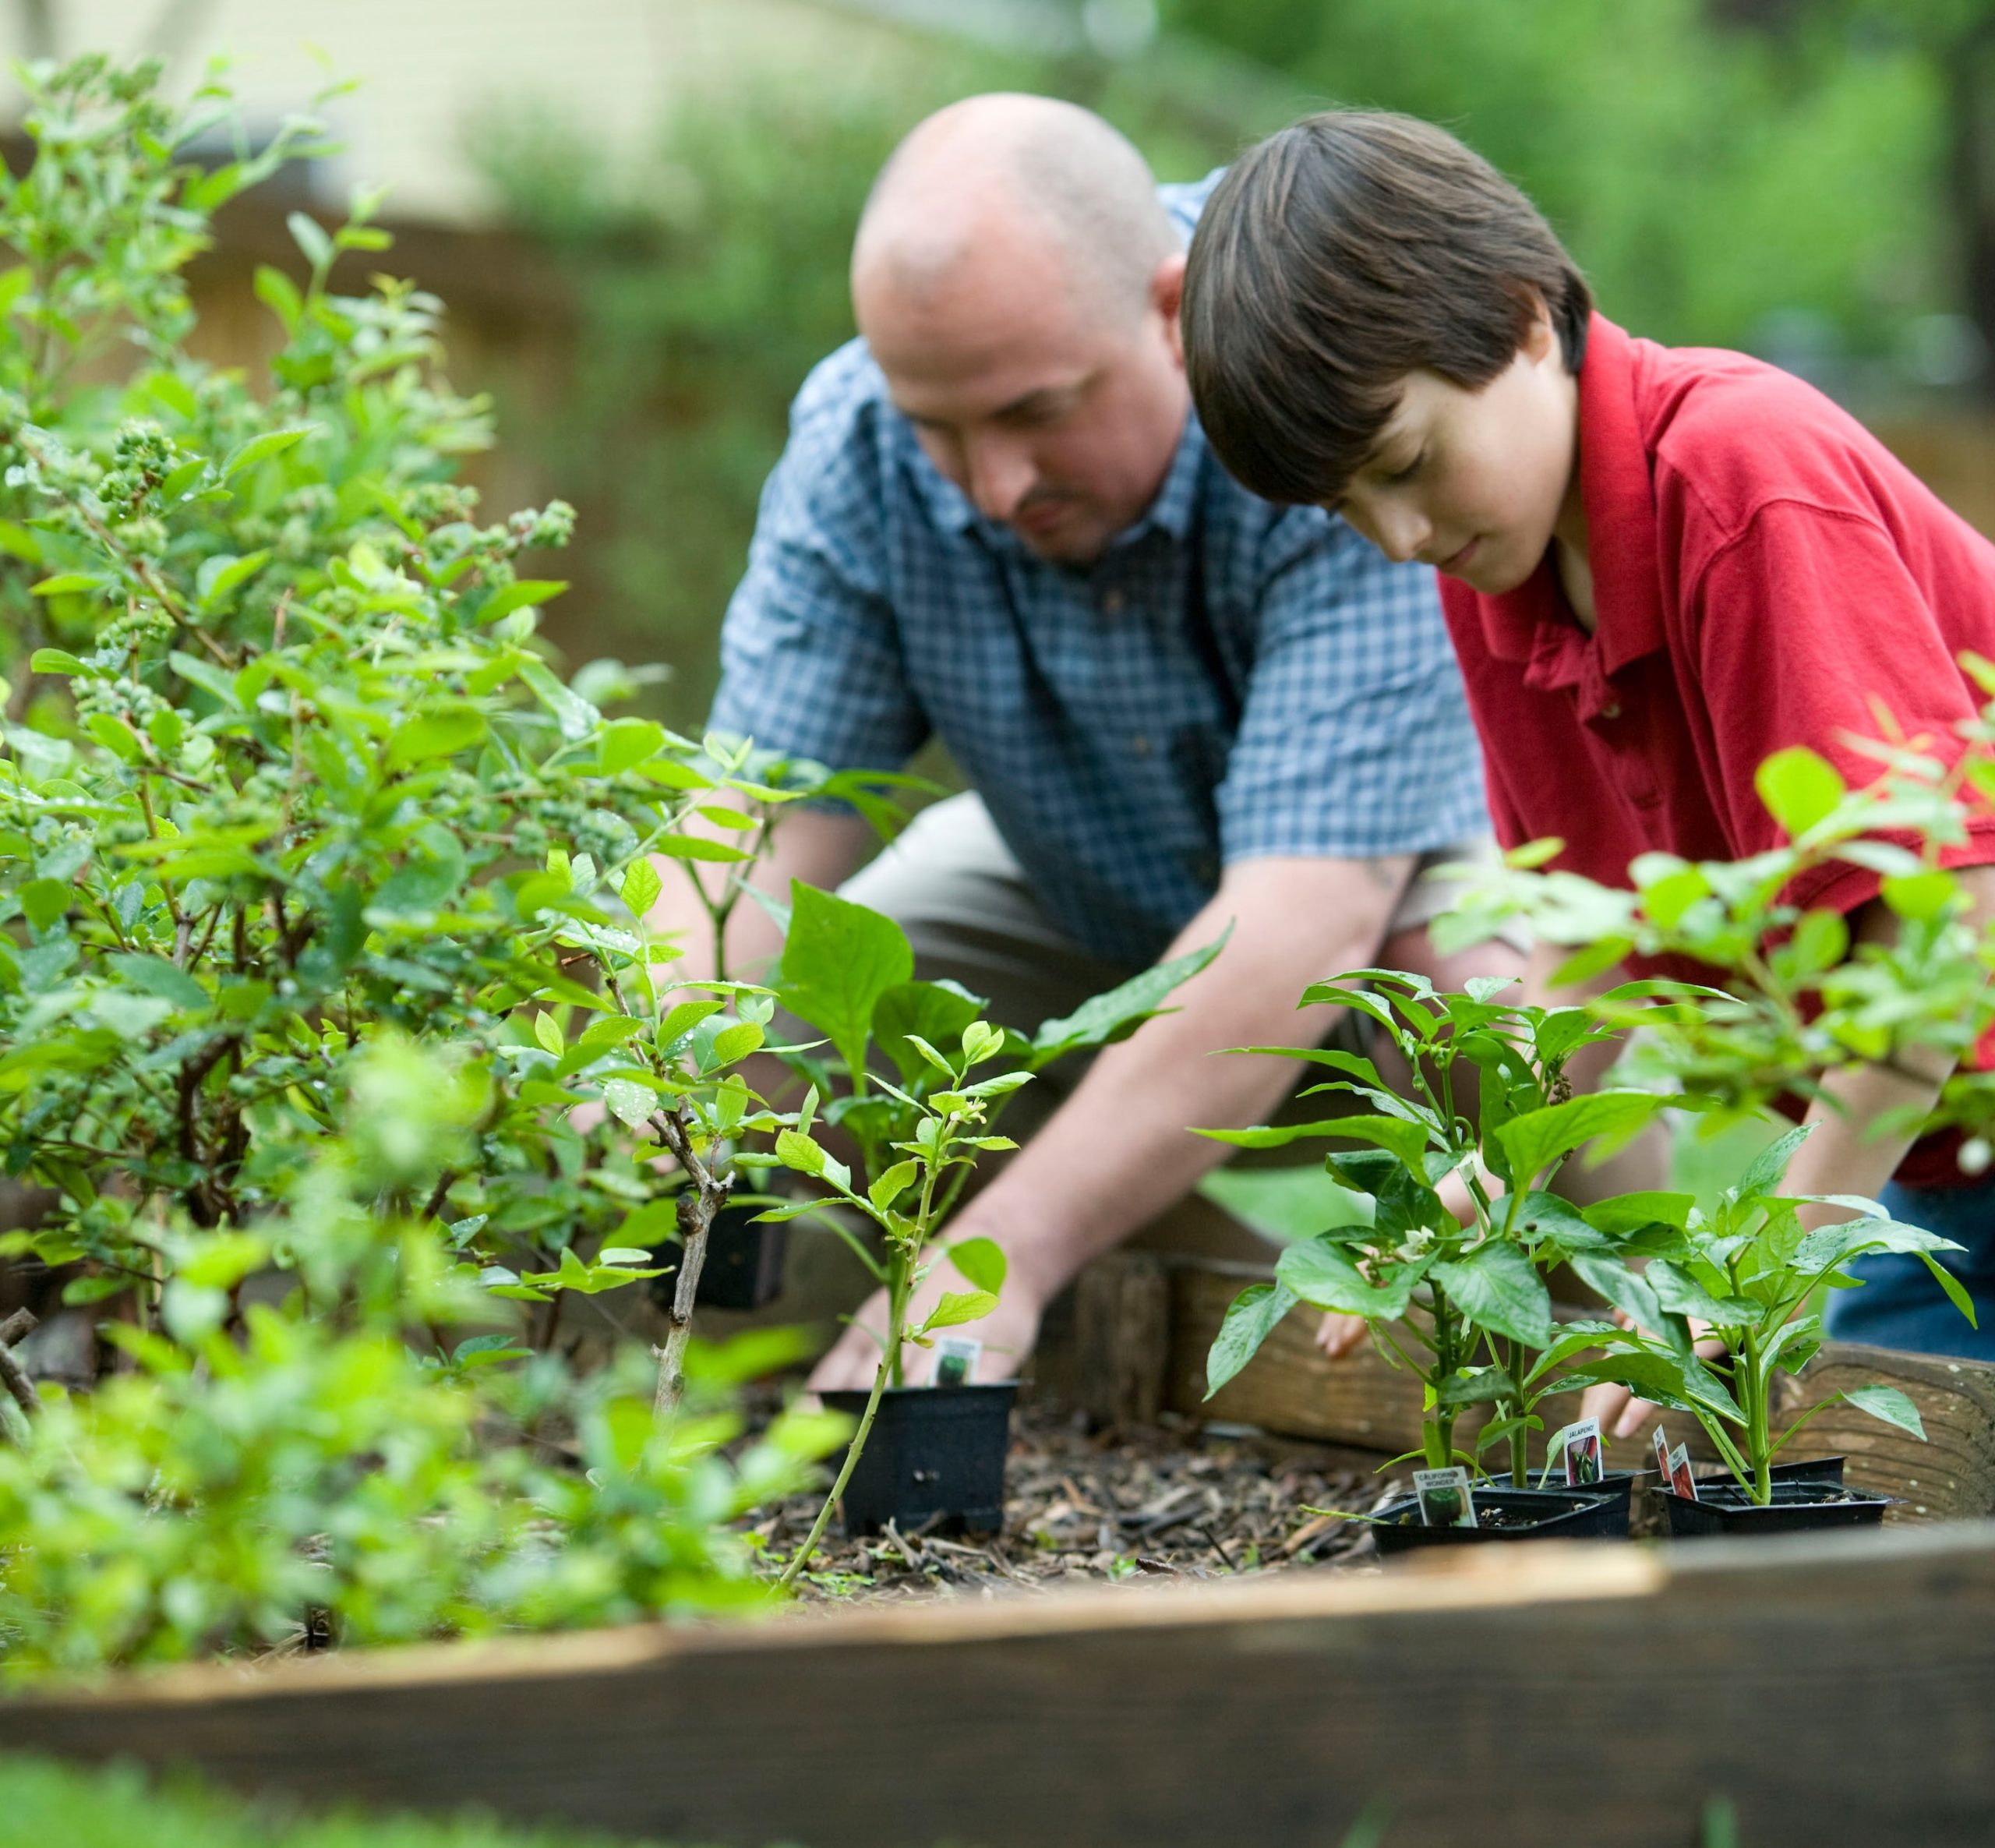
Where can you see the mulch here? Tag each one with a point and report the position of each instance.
(1185, 1501)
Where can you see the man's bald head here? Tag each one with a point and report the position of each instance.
(988, 174)
(1016, 281)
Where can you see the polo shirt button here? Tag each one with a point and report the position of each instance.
(1113, 601)
(1140, 744)
(1610, 710)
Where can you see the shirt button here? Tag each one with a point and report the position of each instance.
(1610, 710)
(1113, 601)
(1140, 744)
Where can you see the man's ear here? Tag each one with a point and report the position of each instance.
(1167, 293)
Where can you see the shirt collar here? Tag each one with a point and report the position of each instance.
(1169, 512)
(1616, 487)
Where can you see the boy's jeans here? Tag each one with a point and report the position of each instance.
(1900, 1306)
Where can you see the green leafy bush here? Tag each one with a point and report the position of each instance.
(321, 901)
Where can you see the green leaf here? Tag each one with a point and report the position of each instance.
(625, 743)
(548, 1031)
(892, 1184)
(630, 1103)
(980, 1260)
(838, 961)
(311, 238)
(1887, 1403)
(1497, 1288)
(260, 449)
(572, 714)
(698, 846)
(279, 294)
(938, 1012)
(55, 660)
(1407, 1141)
(66, 585)
(1766, 1169)
(1680, 1293)
(1537, 1140)
(959, 1307)
(222, 574)
(157, 977)
(798, 1152)
(523, 594)
(1104, 1019)
(1250, 1318)
(1955, 1290)
(1323, 1275)
(1611, 1279)
(434, 734)
(641, 887)
(1799, 788)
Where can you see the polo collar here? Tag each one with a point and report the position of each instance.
(1532, 624)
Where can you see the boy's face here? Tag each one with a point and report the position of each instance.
(1476, 483)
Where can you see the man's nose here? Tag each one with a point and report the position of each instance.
(1001, 476)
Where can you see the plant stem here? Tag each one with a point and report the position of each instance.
(898, 1292)
(1758, 1449)
(697, 1209)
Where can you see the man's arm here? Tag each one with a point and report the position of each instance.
(1119, 1151)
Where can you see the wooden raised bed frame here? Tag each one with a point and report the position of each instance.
(1836, 1688)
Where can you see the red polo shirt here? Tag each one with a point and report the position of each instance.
(1765, 573)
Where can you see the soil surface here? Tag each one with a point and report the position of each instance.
(1183, 1501)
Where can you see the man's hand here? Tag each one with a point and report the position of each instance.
(1008, 1333)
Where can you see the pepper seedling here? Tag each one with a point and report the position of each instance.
(1462, 1301)
(1743, 1275)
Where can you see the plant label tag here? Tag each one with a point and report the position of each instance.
(1662, 1455)
(1581, 1450)
(1681, 1480)
(955, 1360)
(1445, 1499)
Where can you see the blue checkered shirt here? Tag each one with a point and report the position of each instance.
(1231, 680)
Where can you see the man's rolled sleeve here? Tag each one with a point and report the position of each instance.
(811, 664)
(1354, 741)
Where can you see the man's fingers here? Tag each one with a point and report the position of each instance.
(1338, 1335)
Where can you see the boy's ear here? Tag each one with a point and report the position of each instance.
(1166, 296)
(1540, 338)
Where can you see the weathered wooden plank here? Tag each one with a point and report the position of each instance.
(1836, 1688)
(1122, 1337)
(1949, 1476)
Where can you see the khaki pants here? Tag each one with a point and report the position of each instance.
(971, 916)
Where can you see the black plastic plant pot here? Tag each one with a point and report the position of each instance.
(1617, 1486)
(933, 1450)
(744, 1260)
(1797, 1507)
(1508, 1514)
(1818, 1469)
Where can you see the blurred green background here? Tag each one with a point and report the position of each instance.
(639, 209)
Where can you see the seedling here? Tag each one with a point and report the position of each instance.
(1743, 1275)
(1461, 1302)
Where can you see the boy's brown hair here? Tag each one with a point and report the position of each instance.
(1335, 258)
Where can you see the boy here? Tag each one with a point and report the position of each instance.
(1659, 567)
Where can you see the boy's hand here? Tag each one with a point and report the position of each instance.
(1621, 1414)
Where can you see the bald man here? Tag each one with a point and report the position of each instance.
(1178, 707)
